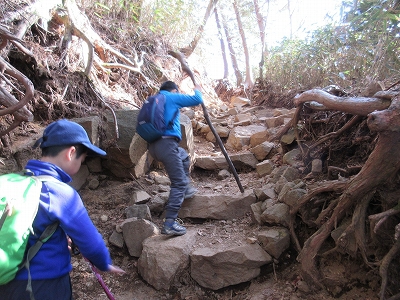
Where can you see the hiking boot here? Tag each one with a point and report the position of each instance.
(173, 228)
(190, 192)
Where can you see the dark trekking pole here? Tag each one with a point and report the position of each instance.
(180, 57)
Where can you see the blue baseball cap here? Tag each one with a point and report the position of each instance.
(65, 132)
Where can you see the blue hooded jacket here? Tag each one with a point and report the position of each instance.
(174, 102)
(60, 202)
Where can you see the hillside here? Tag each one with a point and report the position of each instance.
(357, 185)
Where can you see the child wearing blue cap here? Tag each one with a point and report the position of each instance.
(64, 145)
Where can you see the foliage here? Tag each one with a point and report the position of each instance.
(176, 20)
(350, 55)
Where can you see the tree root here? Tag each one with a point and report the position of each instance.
(357, 106)
(378, 219)
(383, 270)
(14, 107)
(78, 24)
(382, 163)
(337, 186)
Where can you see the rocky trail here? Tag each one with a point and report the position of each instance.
(252, 257)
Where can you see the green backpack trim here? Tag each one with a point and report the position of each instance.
(19, 202)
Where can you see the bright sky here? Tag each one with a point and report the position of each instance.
(307, 16)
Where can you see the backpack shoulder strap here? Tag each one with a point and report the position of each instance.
(46, 234)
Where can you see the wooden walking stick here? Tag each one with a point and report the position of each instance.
(180, 57)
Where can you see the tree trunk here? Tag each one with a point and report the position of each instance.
(188, 50)
(238, 74)
(261, 26)
(290, 19)
(222, 43)
(249, 81)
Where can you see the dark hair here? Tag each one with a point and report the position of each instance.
(169, 86)
(53, 151)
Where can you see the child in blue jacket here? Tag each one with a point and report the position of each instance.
(174, 158)
(64, 145)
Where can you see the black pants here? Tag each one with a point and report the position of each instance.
(49, 289)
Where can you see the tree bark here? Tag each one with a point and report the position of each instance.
(222, 43)
(321, 100)
(249, 78)
(187, 51)
(235, 66)
(261, 21)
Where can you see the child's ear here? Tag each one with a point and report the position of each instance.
(71, 151)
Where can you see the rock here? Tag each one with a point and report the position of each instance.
(291, 174)
(244, 160)
(79, 179)
(164, 258)
(156, 204)
(211, 162)
(139, 156)
(291, 196)
(135, 231)
(161, 179)
(128, 157)
(118, 160)
(266, 192)
(222, 131)
(292, 158)
(140, 211)
(223, 174)
(303, 287)
(117, 239)
(239, 101)
(218, 268)
(262, 150)
(274, 240)
(274, 121)
(289, 137)
(316, 166)
(232, 111)
(218, 206)
(140, 197)
(240, 136)
(256, 212)
(211, 137)
(259, 137)
(264, 168)
(277, 214)
(94, 164)
(93, 184)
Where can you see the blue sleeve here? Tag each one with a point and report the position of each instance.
(74, 219)
(183, 100)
